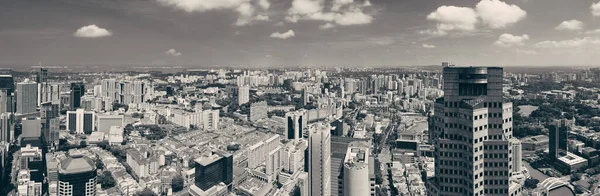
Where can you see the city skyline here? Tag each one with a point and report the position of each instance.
(202, 33)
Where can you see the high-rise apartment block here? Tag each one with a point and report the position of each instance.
(471, 131)
(26, 97)
(243, 94)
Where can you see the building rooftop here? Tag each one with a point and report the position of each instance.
(76, 163)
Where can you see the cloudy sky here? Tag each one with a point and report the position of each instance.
(300, 32)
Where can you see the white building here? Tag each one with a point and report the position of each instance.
(243, 95)
(319, 155)
(105, 122)
(115, 135)
(356, 170)
(26, 97)
(80, 121)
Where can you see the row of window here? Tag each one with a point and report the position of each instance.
(496, 182)
(496, 173)
(456, 104)
(496, 191)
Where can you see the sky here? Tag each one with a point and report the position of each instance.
(291, 33)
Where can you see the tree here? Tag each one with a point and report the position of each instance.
(99, 165)
(531, 183)
(575, 177)
(146, 192)
(177, 183)
(106, 180)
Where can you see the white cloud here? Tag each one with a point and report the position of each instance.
(508, 40)
(304, 7)
(572, 43)
(498, 14)
(262, 17)
(285, 35)
(244, 8)
(451, 18)
(342, 12)
(353, 17)
(527, 52)
(92, 31)
(595, 9)
(337, 4)
(431, 32)
(570, 25)
(264, 4)
(428, 46)
(279, 24)
(203, 5)
(593, 32)
(367, 3)
(326, 26)
(173, 52)
(245, 12)
(494, 14)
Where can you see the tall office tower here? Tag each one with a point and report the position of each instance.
(215, 169)
(210, 119)
(295, 125)
(26, 97)
(42, 86)
(517, 157)
(77, 176)
(7, 105)
(559, 131)
(303, 184)
(31, 159)
(471, 132)
(356, 170)
(77, 91)
(319, 159)
(305, 96)
(80, 121)
(243, 94)
(46, 115)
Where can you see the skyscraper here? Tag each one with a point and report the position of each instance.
(471, 132)
(80, 121)
(319, 159)
(77, 176)
(215, 169)
(356, 170)
(243, 95)
(77, 91)
(294, 125)
(559, 131)
(7, 105)
(42, 86)
(26, 97)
